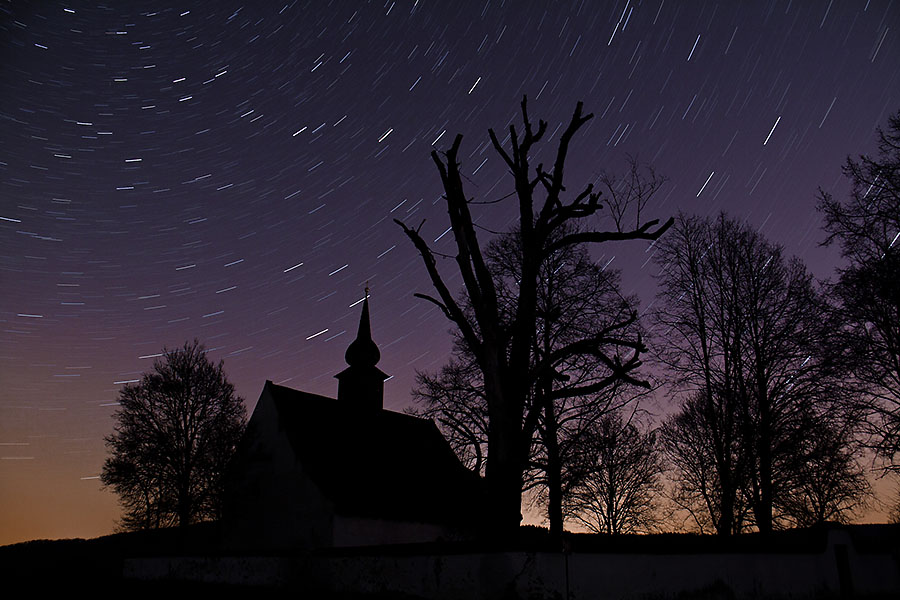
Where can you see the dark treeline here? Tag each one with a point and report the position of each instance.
(781, 387)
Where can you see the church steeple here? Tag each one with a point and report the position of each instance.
(362, 351)
(361, 384)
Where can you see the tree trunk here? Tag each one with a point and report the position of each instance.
(554, 472)
(764, 507)
(504, 483)
(725, 525)
(763, 510)
(183, 503)
(184, 513)
(504, 461)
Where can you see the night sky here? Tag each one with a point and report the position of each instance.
(230, 172)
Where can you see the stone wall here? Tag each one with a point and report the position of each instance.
(838, 571)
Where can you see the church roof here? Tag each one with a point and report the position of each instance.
(380, 464)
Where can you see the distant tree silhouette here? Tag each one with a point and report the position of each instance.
(867, 226)
(175, 432)
(503, 347)
(703, 445)
(749, 334)
(454, 399)
(622, 478)
(827, 481)
(570, 388)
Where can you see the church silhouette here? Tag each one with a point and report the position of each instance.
(314, 472)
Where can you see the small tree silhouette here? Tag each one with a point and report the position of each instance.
(622, 479)
(709, 465)
(827, 479)
(176, 431)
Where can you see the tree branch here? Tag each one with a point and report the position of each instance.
(448, 304)
(641, 233)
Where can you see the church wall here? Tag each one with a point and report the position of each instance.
(270, 502)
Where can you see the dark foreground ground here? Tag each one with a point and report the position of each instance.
(44, 567)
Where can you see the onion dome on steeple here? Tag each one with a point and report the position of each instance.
(362, 351)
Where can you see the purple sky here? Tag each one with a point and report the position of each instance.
(231, 173)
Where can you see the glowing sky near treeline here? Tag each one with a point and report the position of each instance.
(231, 171)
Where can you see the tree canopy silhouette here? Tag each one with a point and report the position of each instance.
(748, 335)
(702, 444)
(867, 226)
(622, 482)
(175, 432)
(503, 347)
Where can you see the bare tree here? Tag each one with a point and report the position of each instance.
(867, 226)
(702, 442)
(569, 391)
(748, 330)
(828, 483)
(176, 430)
(623, 478)
(454, 399)
(572, 388)
(503, 348)
(701, 340)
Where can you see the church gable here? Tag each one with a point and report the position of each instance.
(270, 500)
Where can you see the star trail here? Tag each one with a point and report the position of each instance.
(230, 172)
